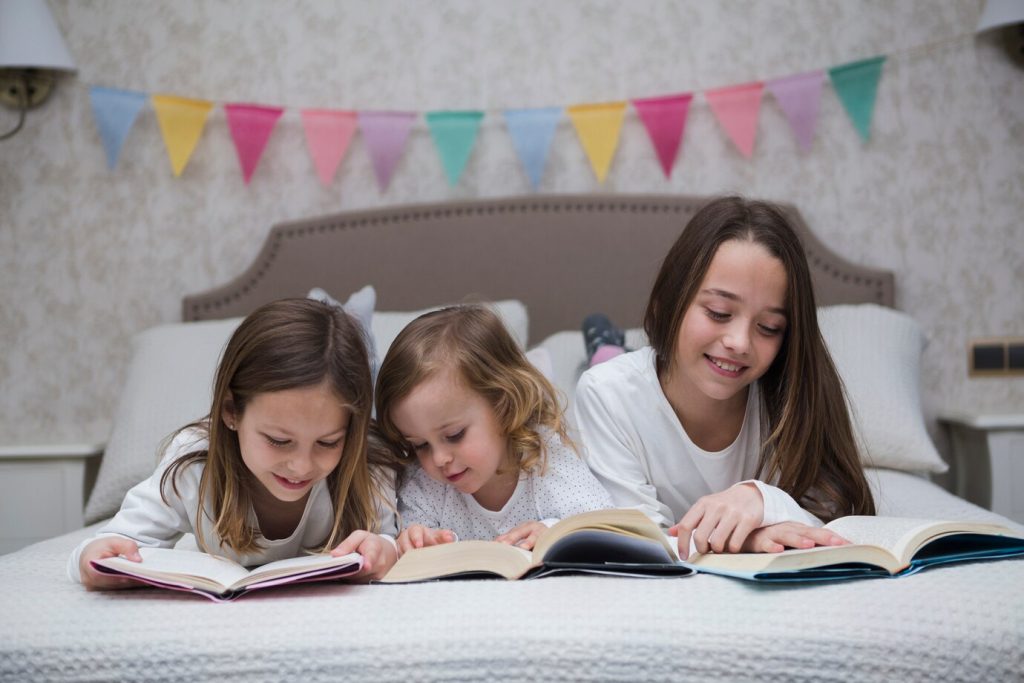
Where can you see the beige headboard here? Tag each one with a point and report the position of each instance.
(563, 256)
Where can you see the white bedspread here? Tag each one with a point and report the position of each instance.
(953, 623)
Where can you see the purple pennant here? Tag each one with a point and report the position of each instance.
(800, 99)
(385, 133)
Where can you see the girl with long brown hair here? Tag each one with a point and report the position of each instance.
(283, 463)
(731, 428)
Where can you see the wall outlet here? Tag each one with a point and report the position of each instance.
(996, 357)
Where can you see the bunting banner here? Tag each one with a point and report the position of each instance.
(181, 123)
(328, 134)
(665, 119)
(737, 109)
(856, 84)
(454, 134)
(385, 133)
(598, 127)
(251, 125)
(115, 112)
(532, 131)
(799, 96)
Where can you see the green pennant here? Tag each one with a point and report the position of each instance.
(454, 133)
(856, 84)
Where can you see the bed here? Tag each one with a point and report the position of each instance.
(549, 261)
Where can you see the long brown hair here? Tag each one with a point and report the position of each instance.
(287, 344)
(809, 451)
(472, 340)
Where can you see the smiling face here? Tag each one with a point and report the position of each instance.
(457, 438)
(291, 439)
(733, 328)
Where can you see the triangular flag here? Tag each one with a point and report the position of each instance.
(532, 131)
(251, 125)
(737, 109)
(181, 123)
(115, 112)
(800, 99)
(328, 132)
(385, 133)
(598, 127)
(856, 84)
(665, 120)
(454, 133)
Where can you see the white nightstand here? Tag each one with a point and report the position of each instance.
(42, 490)
(989, 455)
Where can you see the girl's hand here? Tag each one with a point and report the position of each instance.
(379, 554)
(419, 536)
(525, 535)
(778, 537)
(720, 522)
(107, 546)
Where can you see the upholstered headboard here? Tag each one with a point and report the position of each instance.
(563, 256)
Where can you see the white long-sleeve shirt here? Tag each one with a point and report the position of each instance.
(566, 488)
(149, 521)
(640, 452)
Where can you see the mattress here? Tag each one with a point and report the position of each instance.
(963, 622)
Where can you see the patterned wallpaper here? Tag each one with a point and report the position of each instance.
(89, 257)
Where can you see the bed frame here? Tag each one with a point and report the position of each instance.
(597, 253)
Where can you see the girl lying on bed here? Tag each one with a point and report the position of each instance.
(494, 460)
(281, 465)
(736, 389)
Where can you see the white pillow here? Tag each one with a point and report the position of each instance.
(877, 352)
(170, 383)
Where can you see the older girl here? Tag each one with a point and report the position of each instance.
(281, 465)
(731, 427)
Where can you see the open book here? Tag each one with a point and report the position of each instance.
(221, 579)
(616, 541)
(880, 546)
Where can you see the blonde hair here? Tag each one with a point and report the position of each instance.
(473, 341)
(288, 344)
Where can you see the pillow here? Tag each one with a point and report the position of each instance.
(170, 383)
(877, 352)
(360, 306)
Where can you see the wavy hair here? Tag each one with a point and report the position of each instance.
(472, 340)
(288, 344)
(810, 449)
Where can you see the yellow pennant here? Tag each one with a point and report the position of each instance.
(598, 127)
(181, 123)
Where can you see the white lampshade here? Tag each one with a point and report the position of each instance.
(998, 13)
(29, 37)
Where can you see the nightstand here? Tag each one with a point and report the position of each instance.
(989, 455)
(43, 489)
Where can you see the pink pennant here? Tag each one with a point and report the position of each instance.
(328, 133)
(665, 120)
(800, 99)
(385, 133)
(737, 109)
(250, 126)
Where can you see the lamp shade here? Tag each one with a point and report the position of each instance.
(30, 38)
(998, 13)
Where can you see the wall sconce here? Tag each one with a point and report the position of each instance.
(32, 55)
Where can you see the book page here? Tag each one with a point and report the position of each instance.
(462, 557)
(298, 565)
(624, 521)
(181, 565)
(900, 535)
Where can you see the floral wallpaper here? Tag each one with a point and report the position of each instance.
(89, 257)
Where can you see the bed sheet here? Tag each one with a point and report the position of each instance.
(961, 622)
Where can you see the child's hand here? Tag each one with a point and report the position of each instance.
(107, 546)
(720, 522)
(525, 535)
(419, 536)
(379, 554)
(778, 537)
